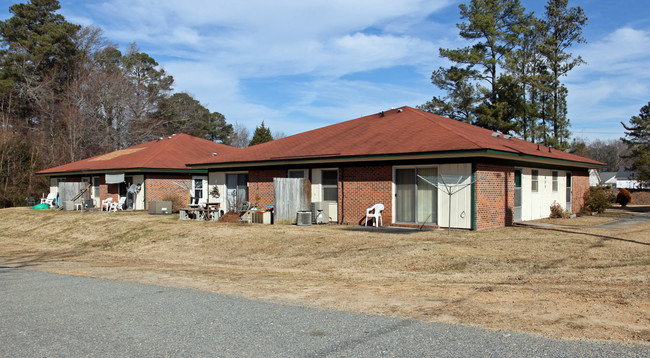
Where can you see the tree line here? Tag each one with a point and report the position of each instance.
(68, 93)
(509, 76)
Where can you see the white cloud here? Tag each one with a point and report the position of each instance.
(621, 52)
(613, 85)
(211, 47)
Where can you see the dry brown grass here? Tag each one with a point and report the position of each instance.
(576, 283)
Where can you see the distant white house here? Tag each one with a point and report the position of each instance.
(626, 179)
(620, 179)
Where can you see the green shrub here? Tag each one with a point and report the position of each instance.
(598, 198)
(558, 212)
(624, 197)
(177, 202)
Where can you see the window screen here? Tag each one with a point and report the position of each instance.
(330, 185)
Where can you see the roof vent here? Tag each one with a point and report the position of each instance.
(495, 134)
(400, 110)
(214, 154)
(507, 136)
(381, 114)
(170, 137)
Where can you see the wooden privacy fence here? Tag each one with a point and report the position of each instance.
(291, 196)
(69, 191)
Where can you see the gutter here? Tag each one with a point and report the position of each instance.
(486, 153)
(130, 170)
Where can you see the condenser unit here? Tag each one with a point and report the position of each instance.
(303, 218)
(160, 207)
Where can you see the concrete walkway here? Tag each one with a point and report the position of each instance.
(633, 219)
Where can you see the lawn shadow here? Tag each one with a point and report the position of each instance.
(31, 260)
(390, 229)
(604, 237)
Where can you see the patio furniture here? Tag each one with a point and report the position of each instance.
(106, 203)
(201, 212)
(49, 200)
(119, 205)
(212, 211)
(375, 213)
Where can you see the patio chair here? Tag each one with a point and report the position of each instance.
(194, 202)
(375, 213)
(119, 205)
(202, 205)
(51, 197)
(106, 203)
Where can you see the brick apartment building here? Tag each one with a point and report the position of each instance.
(156, 168)
(403, 158)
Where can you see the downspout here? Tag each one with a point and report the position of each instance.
(473, 224)
(144, 190)
(342, 197)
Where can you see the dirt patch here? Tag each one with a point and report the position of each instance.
(230, 217)
(578, 283)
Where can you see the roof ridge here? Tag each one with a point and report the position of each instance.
(423, 114)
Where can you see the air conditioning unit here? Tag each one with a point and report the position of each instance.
(303, 218)
(160, 207)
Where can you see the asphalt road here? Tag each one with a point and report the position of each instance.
(50, 315)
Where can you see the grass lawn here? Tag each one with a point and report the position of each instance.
(577, 283)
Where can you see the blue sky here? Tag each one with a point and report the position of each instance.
(300, 65)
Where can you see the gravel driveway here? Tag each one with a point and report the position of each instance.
(48, 315)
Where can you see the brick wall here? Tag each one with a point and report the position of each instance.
(157, 187)
(107, 190)
(495, 196)
(579, 186)
(260, 185)
(364, 187)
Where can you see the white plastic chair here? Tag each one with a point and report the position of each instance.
(375, 212)
(106, 203)
(119, 205)
(49, 200)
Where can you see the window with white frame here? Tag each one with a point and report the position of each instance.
(330, 185)
(96, 187)
(534, 181)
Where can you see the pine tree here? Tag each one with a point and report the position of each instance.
(493, 26)
(563, 27)
(261, 135)
(637, 139)
(509, 78)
